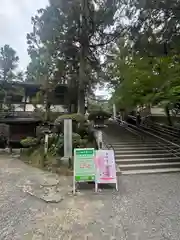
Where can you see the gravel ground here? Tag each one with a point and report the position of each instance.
(147, 207)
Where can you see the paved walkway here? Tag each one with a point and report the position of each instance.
(147, 207)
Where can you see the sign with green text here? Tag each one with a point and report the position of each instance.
(84, 165)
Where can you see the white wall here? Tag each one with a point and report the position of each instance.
(157, 111)
(30, 108)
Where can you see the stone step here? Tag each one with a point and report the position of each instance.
(135, 146)
(149, 166)
(122, 162)
(135, 151)
(122, 142)
(139, 144)
(138, 148)
(149, 171)
(143, 156)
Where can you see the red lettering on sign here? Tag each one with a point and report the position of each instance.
(85, 165)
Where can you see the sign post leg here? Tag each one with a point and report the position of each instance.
(96, 186)
(116, 186)
(74, 185)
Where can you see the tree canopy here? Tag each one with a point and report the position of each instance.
(144, 66)
(8, 63)
(74, 35)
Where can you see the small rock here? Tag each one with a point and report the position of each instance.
(79, 193)
(15, 156)
(50, 182)
(53, 199)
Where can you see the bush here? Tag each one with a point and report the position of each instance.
(83, 131)
(53, 138)
(78, 118)
(57, 148)
(29, 142)
(86, 133)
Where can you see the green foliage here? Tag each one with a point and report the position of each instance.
(29, 142)
(56, 146)
(8, 73)
(53, 139)
(146, 80)
(34, 156)
(83, 131)
(98, 103)
(8, 63)
(76, 117)
(144, 69)
(65, 48)
(156, 29)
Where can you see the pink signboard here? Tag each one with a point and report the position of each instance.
(105, 167)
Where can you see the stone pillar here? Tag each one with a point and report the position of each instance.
(114, 111)
(67, 141)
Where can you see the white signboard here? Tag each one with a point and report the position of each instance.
(105, 167)
(68, 138)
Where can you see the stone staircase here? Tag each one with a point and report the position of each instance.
(136, 152)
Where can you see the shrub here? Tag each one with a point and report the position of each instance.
(83, 131)
(53, 138)
(76, 117)
(82, 143)
(86, 133)
(29, 142)
(37, 157)
(57, 148)
(76, 120)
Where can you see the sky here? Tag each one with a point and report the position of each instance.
(15, 23)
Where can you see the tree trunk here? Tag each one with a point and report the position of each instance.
(47, 108)
(73, 108)
(168, 115)
(83, 57)
(81, 91)
(81, 102)
(47, 113)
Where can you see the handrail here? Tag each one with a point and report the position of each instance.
(156, 123)
(156, 136)
(160, 128)
(163, 132)
(169, 127)
(129, 129)
(173, 151)
(173, 136)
